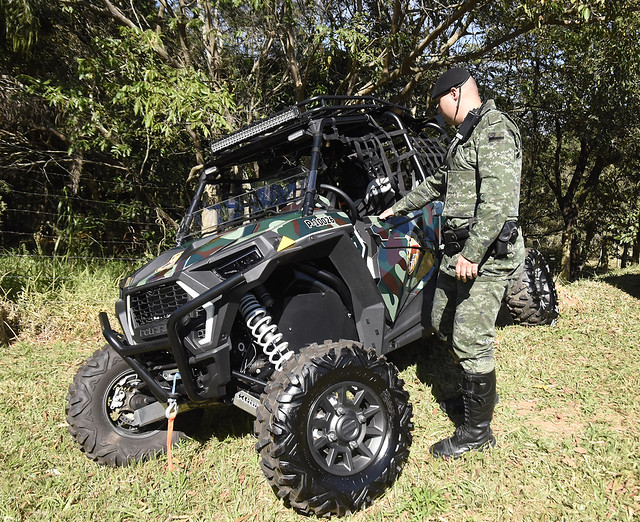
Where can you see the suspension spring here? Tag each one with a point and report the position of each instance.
(265, 334)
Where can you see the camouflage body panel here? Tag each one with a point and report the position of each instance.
(407, 255)
(292, 226)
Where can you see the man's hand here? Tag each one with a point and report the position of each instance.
(465, 269)
(387, 214)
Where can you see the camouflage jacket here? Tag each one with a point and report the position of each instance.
(480, 184)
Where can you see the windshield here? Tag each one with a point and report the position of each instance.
(258, 199)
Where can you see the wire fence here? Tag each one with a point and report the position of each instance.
(52, 216)
(51, 219)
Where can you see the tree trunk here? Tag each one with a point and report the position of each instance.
(625, 256)
(565, 263)
(604, 255)
(635, 256)
(582, 252)
(570, 216)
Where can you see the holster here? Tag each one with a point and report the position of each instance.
(503, 245)
(454, 239)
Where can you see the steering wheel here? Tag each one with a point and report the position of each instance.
(352, 211)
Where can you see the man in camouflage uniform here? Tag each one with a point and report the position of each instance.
(483, 251)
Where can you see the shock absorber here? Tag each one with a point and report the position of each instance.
(265, 334)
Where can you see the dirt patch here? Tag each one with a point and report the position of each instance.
(569, 301)
(551, 421)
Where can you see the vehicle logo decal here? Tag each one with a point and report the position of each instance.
(319, 221)
(285, 242)
(166, 268)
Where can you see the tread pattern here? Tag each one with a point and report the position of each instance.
(285, 460)
(532, 299)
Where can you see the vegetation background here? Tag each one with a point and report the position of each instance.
(107, 108)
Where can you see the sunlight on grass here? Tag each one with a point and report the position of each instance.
(567, 425)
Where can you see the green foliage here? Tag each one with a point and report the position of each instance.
(21, 24)
(578, 106)
(117, 102)
(125, 95)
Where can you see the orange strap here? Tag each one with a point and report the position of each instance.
(172, 417)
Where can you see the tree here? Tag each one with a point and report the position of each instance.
(580, 105)
(115, 97)
(88, 101)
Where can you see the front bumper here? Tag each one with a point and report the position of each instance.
(217, 358)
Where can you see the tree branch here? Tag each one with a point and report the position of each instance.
(405, 67)
(119, 16)
(294, 67)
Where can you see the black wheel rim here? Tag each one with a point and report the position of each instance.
(346, 428)
(120, 400)
(543, 287)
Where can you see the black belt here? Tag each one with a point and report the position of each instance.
(453, 240)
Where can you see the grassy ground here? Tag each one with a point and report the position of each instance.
(567, 425)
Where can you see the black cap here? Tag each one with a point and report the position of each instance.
(452, 78)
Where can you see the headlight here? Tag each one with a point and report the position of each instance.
(237, 263)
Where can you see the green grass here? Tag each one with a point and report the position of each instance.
(47, 299)
(567, 425)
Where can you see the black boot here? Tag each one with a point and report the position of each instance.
(454, 406)
(479, 397)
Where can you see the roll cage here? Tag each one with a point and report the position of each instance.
(348, 143)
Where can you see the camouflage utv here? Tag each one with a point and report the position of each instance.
(282, 297)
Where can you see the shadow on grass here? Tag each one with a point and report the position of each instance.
(434, 367)
(629, 283)
(221, 421)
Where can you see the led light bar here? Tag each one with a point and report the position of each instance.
(256, 129)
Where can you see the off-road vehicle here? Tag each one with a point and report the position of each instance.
(282, 297)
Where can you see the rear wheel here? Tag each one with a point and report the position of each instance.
(100, 407)
(334, 429)
(532, 299)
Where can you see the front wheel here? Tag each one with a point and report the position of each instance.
(334, 429)
(100, 407)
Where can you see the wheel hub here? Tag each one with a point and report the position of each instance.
(122, 399)
(346, 428)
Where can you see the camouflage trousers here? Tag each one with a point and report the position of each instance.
(464, 315)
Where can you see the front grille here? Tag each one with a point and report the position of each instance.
(156, 304)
